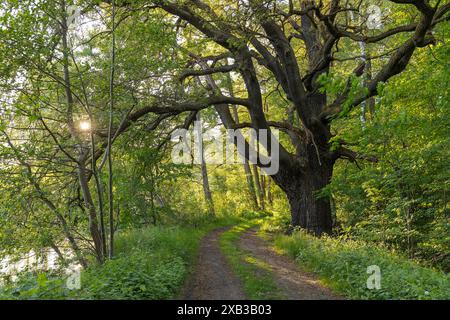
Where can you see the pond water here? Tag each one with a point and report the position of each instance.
(43, 260)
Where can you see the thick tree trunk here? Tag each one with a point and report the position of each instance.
(302, 186)
(307, 210)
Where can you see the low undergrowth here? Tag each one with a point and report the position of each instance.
(150, 263)
(343, 265)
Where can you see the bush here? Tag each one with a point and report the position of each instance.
(342, 264)
(135, 276)
(36, 285)
(150, 263)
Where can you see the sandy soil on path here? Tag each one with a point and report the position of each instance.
(212, 278)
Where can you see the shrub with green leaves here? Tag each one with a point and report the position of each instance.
(138, 275)
(36, 285)
(150, 263)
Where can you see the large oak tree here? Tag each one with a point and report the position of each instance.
(297, 45)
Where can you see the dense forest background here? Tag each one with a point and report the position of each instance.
(88, 91)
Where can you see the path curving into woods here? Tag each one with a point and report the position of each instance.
(213, 279)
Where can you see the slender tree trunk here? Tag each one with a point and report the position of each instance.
(92, 214)
(369, 104)
(207, 190)
(82, 176)
(204, 169)
(110, 125)
(73, 244)
(263, 187)
(160, 200)
(368, 77)
(101, 210)
(250, 184)
(152, 196)
(269, 192)
(247, 169)
(99, 190)
(58, 252)
(259, 187)
(152, 200)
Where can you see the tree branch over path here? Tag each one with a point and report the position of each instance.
(289, 46)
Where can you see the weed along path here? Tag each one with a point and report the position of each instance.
(268, 273)
(213, 279)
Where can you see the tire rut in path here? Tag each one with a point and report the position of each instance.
(212, 278)
(293, 283)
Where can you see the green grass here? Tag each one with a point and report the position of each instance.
(255, 275)
(150, 263)
(343, 266)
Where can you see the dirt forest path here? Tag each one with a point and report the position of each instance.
(213, 278)
(293, 283)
